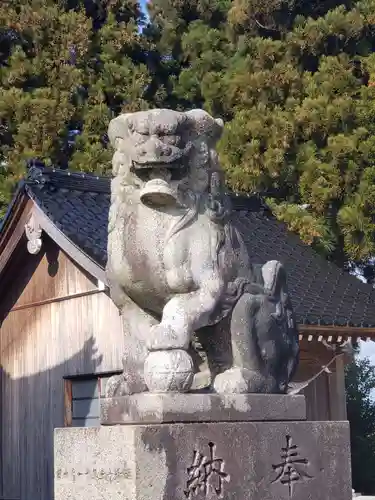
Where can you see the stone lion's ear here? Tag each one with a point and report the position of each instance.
(203, 124)
(118, 129)
(274, 278)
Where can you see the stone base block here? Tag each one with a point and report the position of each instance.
(204, 461)
(149, 408)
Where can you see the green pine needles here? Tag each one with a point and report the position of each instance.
(294, 80)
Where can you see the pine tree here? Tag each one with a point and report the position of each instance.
(66, 67)
(304, 117)
(294, 80)
(190, 51)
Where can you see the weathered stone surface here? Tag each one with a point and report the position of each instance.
(158, 408)
(230, 460)
(178, 265)
(94, 463)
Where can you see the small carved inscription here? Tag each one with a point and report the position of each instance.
(94, 474)
(292, 467)
(205, 471)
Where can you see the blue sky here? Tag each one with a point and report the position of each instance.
(368, 351)
(143, 4)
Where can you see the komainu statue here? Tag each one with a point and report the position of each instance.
(179, 270)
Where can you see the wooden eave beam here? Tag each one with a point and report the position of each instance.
(14, 230)
(336, 333)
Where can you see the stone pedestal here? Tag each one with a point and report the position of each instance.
(178, 447)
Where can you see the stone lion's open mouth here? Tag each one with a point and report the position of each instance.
(158, 193)
(160, 182)
(139, 166)
(148, 171)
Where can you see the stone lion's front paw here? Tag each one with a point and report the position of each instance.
(232, 381)
(164, 337)
(243, 381)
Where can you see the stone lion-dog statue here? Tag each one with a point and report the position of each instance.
(178, 268)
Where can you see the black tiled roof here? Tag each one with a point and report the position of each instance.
(322, 294)
(78, 205)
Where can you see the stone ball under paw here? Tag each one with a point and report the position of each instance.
(169, 371)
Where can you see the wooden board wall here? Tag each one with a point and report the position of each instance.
(325, 396)
(42, 342)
